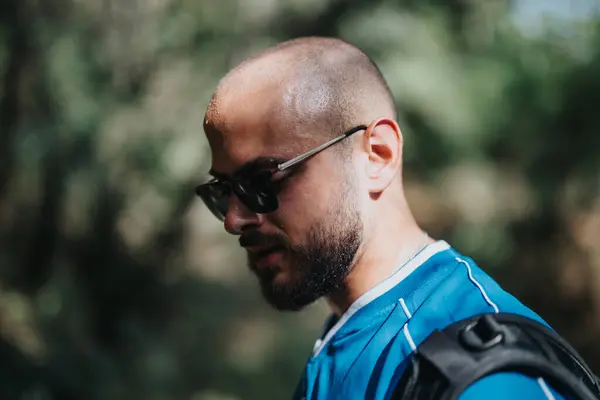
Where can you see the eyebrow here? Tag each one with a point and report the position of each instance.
(258, 163)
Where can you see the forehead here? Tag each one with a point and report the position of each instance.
(234, 152)
(254, 128)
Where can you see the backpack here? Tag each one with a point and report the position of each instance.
(450, 360)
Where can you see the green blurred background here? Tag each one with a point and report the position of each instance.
(116, 283)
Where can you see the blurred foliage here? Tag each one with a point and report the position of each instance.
(115, 282)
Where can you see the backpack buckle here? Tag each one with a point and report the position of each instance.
(483, 333)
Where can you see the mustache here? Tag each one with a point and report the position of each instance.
(255, 238)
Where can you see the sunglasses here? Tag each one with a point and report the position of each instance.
(256, 191)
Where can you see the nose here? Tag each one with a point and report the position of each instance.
(239, 217)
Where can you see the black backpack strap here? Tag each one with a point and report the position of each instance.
(448, 361)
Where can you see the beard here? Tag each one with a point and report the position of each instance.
(320, 266)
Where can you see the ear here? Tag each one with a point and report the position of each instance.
(383, 145)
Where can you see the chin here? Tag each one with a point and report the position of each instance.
(284, 295)
(281, 279)
(275, 285)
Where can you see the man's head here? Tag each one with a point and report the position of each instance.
(303, 225)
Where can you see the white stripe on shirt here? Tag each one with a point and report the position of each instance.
(400, 274)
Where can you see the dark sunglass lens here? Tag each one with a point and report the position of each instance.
(216, 197)
(266, 202)
(257, 194)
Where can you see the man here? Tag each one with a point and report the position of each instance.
(306, 166)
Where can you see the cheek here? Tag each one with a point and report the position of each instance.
(302, 204)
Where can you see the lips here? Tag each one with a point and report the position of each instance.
(267, 257)
(263, 253)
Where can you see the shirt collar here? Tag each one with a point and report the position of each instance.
(364, 309)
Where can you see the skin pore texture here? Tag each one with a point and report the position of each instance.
(343, 224)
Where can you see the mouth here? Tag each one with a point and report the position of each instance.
(267, 257)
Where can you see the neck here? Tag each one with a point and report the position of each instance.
(383, 253)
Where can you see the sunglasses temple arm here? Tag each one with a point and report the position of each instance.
(311, 153)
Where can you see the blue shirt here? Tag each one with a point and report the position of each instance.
(363, 354)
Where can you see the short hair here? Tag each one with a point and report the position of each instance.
(342, 85)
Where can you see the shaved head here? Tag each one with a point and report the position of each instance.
(314, 81)
(273, 107)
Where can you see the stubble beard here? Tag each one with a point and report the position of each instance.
(319, 267)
